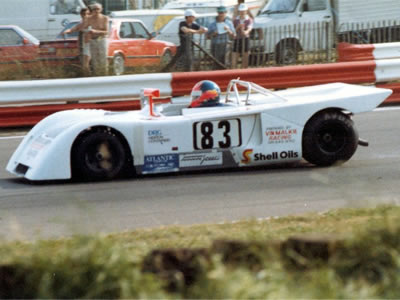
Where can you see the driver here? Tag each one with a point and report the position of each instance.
(205, 93)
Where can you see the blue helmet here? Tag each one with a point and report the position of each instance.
(205, 93)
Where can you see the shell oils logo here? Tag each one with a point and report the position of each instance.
(246, 156)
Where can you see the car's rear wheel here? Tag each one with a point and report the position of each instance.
(98, 155)
(118, 65)
(287, 53)
(329, 138)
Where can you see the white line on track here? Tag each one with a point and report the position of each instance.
(387, 108)
(12, 137)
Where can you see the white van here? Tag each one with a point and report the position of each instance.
(154, 19)
(210, 6)
(41, 18)
(290, 26)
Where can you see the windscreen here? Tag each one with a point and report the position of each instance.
(280, 6)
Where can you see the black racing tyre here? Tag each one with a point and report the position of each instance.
(98, 155)
(329, 138)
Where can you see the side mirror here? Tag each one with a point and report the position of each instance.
(153, 35)
(78, 10)
(25, 41)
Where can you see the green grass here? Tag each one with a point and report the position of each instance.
(354, 253)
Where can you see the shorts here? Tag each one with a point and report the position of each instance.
(239, 46)
(86, 49)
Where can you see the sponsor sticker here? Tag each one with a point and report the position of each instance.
(280, 135)
(161, 163)
(200, 159)
(157, 136)
(249, 157)
(36, 146)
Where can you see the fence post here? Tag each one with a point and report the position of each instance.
(188, 53)
(328, 45)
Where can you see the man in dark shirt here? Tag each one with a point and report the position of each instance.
(186, 29)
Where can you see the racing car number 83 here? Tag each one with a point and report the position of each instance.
(217, 134)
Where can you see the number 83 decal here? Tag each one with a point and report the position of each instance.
(217, 134)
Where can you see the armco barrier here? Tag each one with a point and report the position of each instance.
(351, 52)
(108, 88)
(128, 87)
(395, 97)
(281, 77)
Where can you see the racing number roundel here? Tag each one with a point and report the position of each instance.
(217, 134)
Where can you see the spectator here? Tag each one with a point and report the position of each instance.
(236, 10)
(243, 26)
(96, 27)
(84, 46)
(220, 31)
(189, 26)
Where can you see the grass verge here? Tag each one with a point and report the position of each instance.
(347, 253)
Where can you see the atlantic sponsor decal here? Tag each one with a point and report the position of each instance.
(161, 163)
(247, 156)
(200, 159)
(156, 136)
(280, 135)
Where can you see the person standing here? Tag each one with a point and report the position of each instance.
(96, 27)
(220, 32)
(236, 10)
(243, 25)
(186, 29)
(84, 50)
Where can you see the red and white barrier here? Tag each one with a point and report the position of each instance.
(351, 52)
(128, 87)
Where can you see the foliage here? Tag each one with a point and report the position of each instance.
(349, 253)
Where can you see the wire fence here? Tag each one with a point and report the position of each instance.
(303, 43)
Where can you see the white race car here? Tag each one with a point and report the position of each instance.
(249, 126)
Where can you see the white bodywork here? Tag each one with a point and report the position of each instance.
(251, 128)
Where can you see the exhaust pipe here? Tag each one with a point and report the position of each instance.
(362, 142)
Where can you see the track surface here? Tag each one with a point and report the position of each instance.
(55, 209)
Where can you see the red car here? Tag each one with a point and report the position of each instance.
(18, 48)
(130, 45)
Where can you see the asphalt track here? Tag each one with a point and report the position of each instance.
(56, 209)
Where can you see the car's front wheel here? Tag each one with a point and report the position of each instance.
(98, 155)
(329, 138)
(165, 59)
(118, 65)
